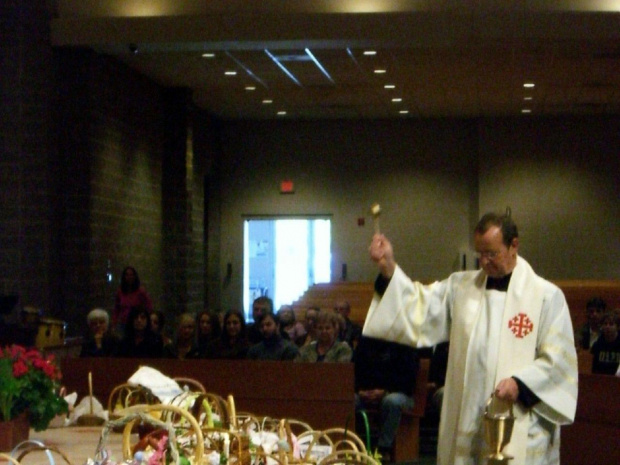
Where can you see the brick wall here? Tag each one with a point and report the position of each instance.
(140, 190)
(26, 203)
(88, 154)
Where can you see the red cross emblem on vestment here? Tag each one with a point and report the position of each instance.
(521, 325)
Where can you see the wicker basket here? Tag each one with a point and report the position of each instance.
(179, 422)
(239, 448)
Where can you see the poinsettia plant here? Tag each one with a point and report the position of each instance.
(29, 382)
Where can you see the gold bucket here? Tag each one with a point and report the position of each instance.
(498, 431)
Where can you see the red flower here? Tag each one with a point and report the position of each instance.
(19, 368)
(45, 367)
(16, 351)
(27, 379)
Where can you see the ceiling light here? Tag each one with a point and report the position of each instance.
(389, 86)
(380, 71)
(404, 112)
(281, 113)
(526, 110)
(267, 101)
(527, 98)
(397, 99)
(370, 52)
(250, 87)
(230, 73)
(208, 55)
(528, 85)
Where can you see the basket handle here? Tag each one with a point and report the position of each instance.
(141, 412)
(9, 458)
(27, 444)
(47, 449)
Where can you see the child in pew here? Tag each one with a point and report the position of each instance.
(606, 349)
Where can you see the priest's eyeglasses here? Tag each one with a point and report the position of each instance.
(491, 255)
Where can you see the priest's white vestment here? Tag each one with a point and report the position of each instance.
(525, 332)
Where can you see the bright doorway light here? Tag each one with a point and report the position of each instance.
(283, 257)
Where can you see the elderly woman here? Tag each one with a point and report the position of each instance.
(100, 342)
(327, 347)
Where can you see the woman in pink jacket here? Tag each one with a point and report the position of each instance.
(130, 294)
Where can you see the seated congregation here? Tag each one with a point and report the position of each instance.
(384, 373)
(322, 330)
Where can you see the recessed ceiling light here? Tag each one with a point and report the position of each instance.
(529, 85)
(404, 112)
(397, 99)
(380, 71)
(267, 101)
(281, 113)
(208, 55)
(250, 87)
(527, 98)
(370, 52)
(230, 73)
(389, 86)
(526, 110)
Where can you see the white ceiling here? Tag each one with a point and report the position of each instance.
(446, 58)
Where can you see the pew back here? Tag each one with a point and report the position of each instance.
(320, 394)
(593, 438)
(359, 295)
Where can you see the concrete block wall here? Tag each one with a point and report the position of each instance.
(83, 143)
(26, 166)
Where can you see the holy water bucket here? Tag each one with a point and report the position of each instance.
(498, 431)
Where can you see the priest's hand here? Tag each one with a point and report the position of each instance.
(382, 254)
(507, 390)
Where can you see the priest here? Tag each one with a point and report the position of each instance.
(511, 341)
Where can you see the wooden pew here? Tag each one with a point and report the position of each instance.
(407, 442)
(359, 295)
(321, 394)
(406, 446)
(325, 295)
(594, 436)
(578, 292)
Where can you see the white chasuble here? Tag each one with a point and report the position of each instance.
(525, 332)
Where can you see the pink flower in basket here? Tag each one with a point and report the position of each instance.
(159, 455)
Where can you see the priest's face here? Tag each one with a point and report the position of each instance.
(496, 259)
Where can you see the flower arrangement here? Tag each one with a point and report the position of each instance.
(29, 382)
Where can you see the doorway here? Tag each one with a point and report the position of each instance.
(282, 257)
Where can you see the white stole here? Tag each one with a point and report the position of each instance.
(517, 346)
(524, 295)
